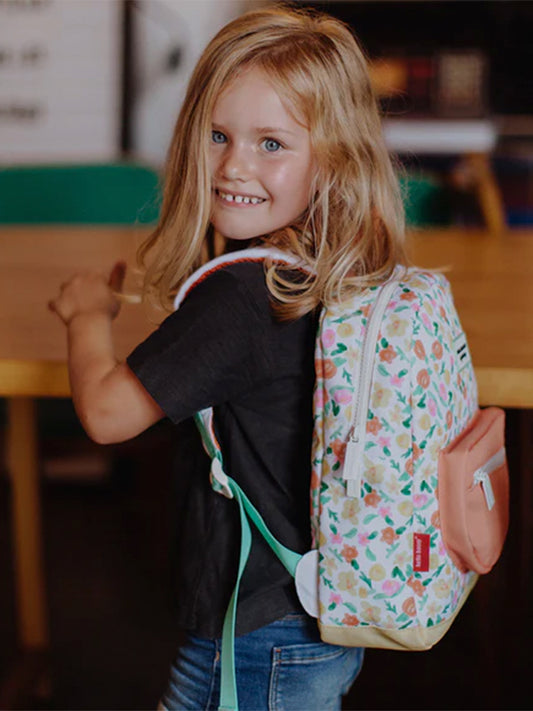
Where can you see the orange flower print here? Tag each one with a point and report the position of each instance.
(349, 553)
(409, 607)
(388, 354)
(437, 349)
(409, 467)
(420, 351)
(350, 620)
(315, 481)
(408, 296)
(422, 378)
(373, 426)
(435, 519)
(416, 451)
(416, 586)
(328, 368)
(339, 449)
(365, 310)
(319, 367)
(372, 499)
(449, 419)
(389, 535)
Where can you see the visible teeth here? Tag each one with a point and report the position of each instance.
(228, 197)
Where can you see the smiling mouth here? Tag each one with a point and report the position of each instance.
(232, 199)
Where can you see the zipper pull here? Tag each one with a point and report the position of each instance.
(351, 472)
(481, 476)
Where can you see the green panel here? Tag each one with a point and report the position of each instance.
(119, 194)
(426, 201)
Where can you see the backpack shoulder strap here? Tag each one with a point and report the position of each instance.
(254, 254)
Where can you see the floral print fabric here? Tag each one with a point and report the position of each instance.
(423, 395)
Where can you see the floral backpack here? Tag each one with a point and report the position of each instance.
(409, 484)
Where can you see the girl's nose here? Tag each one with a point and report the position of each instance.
(237, 164)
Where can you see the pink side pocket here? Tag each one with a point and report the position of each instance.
(473, 493)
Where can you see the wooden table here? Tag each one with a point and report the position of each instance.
(33, 263)
(492, 278)
(492, 281)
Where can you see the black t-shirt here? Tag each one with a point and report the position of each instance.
(225, 348)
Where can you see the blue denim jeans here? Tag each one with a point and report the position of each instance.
(280, 667)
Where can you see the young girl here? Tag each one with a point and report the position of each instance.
(278, 143)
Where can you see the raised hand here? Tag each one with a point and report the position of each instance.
(90, 292)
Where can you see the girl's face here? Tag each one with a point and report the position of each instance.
(260, 160)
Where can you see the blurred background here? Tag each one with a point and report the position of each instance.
(89, 93)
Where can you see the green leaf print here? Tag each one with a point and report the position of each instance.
(350, 607)
(386, 451)
(393, 549)
(402, 618)
(336, 409)
(367, 487)
(403, 372)
(355, 564)
(366, 580)
(400, 530)
(407, 624)
(341, 348)
(382, 370)
(384, 342)
(336, 466)
(332, 606)
(389, 520)
(407, 423)
(327, 583)
(351, 534)
(333, 529)
(429, 623)
(397, 573)
(369, 518)
(406, 491)
(347, 376)
(370, 555)
(392, 608)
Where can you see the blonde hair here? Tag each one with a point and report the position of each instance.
(352, 233)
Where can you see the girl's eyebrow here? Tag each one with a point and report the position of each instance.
(259, 130)
(273, 129)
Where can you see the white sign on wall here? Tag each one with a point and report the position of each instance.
(60, 80)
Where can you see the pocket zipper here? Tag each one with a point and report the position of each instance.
(482, 476)
(355, 447)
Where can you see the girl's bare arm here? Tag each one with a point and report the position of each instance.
(110, 401)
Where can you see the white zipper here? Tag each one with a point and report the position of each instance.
(482, 476)
(355, 447)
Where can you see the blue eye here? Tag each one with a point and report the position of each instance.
(271, 145)
(218, 137)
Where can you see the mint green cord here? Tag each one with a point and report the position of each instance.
(290, 559)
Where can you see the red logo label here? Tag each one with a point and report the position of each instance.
(421, 544)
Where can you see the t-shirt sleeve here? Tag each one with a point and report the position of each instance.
(211, 350)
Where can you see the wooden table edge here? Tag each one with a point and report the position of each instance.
(33, 378)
